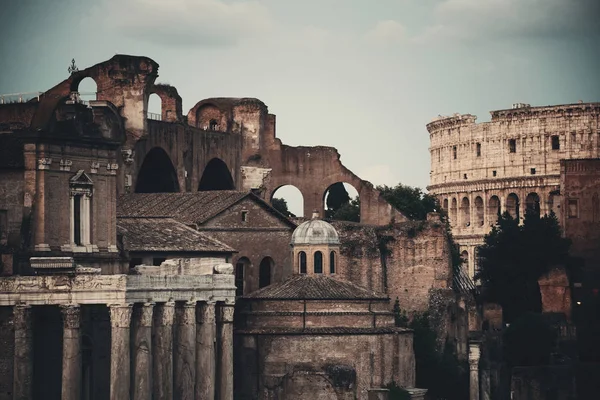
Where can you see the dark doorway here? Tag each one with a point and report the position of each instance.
(47, 350)
(157, 174)
(216, 176)
(264, 273)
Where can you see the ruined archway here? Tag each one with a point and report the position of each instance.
(493, 210)
(453, 212)
(157, 174)
(465, 212)
(479, 211)
(87, 89)
(341, 202)
(216, 176)
(512, 205)
(532, 203)
(154, 107)
(288, 200)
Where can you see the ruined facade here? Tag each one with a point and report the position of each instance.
(508, 164)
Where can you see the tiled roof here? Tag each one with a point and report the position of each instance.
(315, 287)
(165, 234)
(322, 331)
(188, 207)
(461, 282)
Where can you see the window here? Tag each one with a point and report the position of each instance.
(532, 171)
(81, 190)
(244, 216)
(212, 125)
(493, 173)
(465, 176)
(264, 272)
(512, 146)
(454, 152)
(239, 278)
(318, 267)
(478, 149)
(77, 219)
(555, 142)
(332, 262)
(573, 208)
(302, 262)
(156, 261)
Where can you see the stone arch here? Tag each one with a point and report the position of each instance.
(465, 212)
(293, 198)
(155, 107)
(265, 271)
(532, 203)
(479, 211)
(157, 173)
(552, 203)
(453, 212)
(512, 205)
(216, 176)
(445, 205)
(87, 89)
(210, 117)
(493, 209)
(241, 268)
(341, 200)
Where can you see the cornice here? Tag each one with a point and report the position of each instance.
(495, 184)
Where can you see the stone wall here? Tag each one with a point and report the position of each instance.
(7, 340)
(11, 217)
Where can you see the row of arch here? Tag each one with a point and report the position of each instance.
(317, 262)
(158, 175)
(478, 214)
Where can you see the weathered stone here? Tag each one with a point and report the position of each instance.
(23, 361)
(184, 357)
(162, 347)
(120, 320)
(142, 351)
(225, 341)
(205, 351)
(71, 357)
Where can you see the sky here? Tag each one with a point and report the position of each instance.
(364, 76)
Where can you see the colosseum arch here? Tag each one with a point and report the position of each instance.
(453, 212)
(157, 174)
(216, 176)
(532, 203)
(512, 205)
(465, 212)
(479, 212)
(493, 209)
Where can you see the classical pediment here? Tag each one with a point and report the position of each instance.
(81, 179)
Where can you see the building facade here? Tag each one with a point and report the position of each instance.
(508, 164)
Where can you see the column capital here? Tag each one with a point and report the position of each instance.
(187, 313)
(165, 313)
(145, 314)
(120, 315)
(205, 313)
(71, 315)
(22, 317)
(225, 314)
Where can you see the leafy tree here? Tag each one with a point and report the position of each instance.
(340, 206)
(529, 341)
(348, 211)
(513, 258)
(337, 197)
(411, 201)
(281, 206)
(397, 392)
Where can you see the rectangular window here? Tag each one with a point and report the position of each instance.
(512, 146)
(465, 176)
(77, 220)
(493, 173)
(555, 142)
(478, 149)
(244, 216)
(573, 208)
(532, 171)
(454, 152)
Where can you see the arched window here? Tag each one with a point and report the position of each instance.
(465, 259)
(264, 273)
(332, 262)
(318, 267)
(453, 212)
(240, 272)
(302, 262)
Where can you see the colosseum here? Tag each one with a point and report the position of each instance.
(510, 163)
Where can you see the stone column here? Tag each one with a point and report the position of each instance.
(120, 319)
(185, 351)
(142, 352)
(205, 351)
(225, 360)
(71, 355)
(23, 358)
(162, 347)
(474, 354)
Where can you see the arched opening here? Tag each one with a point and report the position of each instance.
(465, 212)
(302, 262)
(209, 117)
(479, 211)
(552, 203)
(216, 176)
(264, 272)
(289, 201)
(445, 205)
(512, 205)
(532, 203)
(241, 266)
(154, 107)
(341, 202)
(453, 211)
(157, 174)
(318, 266)
(332, 262)
(464, 255)
(87, 89)
(213, 125)
(493, 210)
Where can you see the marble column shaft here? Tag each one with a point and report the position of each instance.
(162, 347)
(142, 352)
(205, 351)
(120, 320)
(225, 340)
(474, 355)
(71, 355)
(23, 356)
(184, 357)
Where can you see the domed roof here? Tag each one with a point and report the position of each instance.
(315, 231)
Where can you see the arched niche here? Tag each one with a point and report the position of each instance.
(532, 203)
(493, 209)
(341, 202)
(479, 211)
(453, 211)
(157, 174)
(288, 200)
(465, 212)
(216, 176)
(512, 205)
(265, 272)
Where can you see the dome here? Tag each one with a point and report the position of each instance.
(315, 231)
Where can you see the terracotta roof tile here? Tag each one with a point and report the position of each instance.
(315, 287)
(166, 234)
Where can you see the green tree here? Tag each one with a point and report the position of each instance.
(337, 197)
(410, 201)
(281, 206)
(348, 211)
(513, 258)
(529, 341)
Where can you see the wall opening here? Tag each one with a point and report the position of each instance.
(332, 262)
(289, 201)
(555, 142)
(241, 266)
(465, 212)
(493, 210)
(341, 202)
(157, 174)
(512, 146)
(479, 211)
(512, 205)
(216, 176)
(532, 203)
(453, 211)
(264, 272)
(88, 90)
(302, 262)
(154, 107)
(318, 266)
(464, 255)
(478, 149)
(47, 350)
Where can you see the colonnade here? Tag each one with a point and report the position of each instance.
(157, 351)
